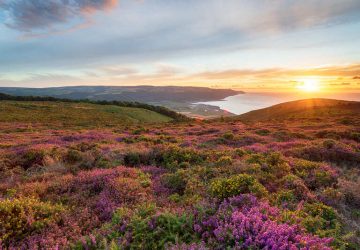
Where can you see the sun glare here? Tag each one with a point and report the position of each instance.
(309, 85)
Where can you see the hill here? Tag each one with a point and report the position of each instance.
(69, 114)
(303, 109)
(144, 94)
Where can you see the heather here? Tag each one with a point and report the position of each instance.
(290, 184)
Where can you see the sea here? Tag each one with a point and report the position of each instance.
(242, 103)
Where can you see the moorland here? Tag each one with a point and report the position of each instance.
(82, 175)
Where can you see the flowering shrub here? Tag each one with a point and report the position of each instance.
(331, 151)
(60, 235)
(243, 222)
(315, 175)
(235, 185)
(20, 217)
(297, 186)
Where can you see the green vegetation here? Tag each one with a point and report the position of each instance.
(158, 109)
(235, 185)
(69, 114)
(21, 217)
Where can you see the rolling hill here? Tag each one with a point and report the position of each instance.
(303, 109)
(70, 114)
(144, 94)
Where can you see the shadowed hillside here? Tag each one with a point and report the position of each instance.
(303, 109)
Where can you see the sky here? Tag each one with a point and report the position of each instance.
(240, 44)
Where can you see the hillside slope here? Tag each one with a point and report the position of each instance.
(303, 109)
(75, 114)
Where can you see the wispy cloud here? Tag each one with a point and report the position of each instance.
(29, 15)
(341, 76)
(325, 71)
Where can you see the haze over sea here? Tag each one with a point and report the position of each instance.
(249, 101)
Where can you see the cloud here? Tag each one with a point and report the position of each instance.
(119, 70)
(340, 84)
(168, 74)
(356, 77)
(329, 71)
(29, 15)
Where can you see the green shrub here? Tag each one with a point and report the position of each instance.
(315, 175)
(235, 185)
(144, 229)
(158, 231)
(138, 131)
(74, 156)
(256, 159)
(224, 161)
(328, 144)
(297, 186)
(103, 162)
(172, 157)
(263, 132)
(285, 197)
(132, 159)
(22, 216)
(31, 157)
(240, 152)
(144, 179)
(272, 167)
(228, 136)
(175, 182)
(321, 220)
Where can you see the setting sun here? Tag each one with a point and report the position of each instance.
(309, 85)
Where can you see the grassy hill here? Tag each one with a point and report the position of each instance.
(75, 114)
(303, 109)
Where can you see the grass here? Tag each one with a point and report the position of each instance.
(75, 114)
